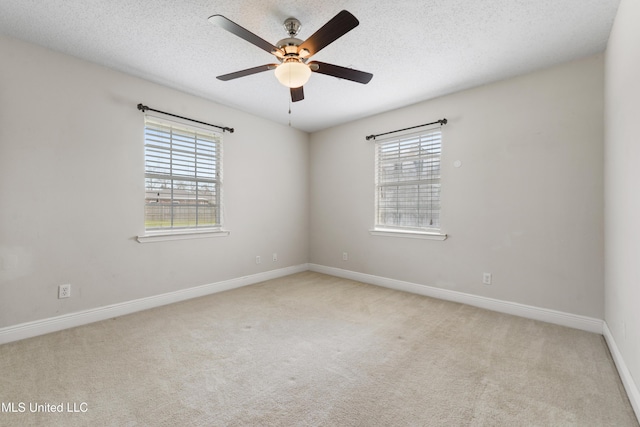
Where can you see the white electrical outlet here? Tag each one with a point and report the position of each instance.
(258, 261)
(64, 291)
(345, 256)
(275, 257)
(486, 278)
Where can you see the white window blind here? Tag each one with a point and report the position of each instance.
(408, 181)
(183, 175)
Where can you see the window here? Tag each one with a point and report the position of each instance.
(183, 176)
(408, 182)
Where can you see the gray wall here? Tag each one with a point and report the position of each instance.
(72, 190)
(526, 205)
(622, 179)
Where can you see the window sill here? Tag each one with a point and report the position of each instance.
(163, 236)
(410, 234)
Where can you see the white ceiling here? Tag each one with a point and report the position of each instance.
(416, 50)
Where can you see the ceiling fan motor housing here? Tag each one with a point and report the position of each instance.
(290, 45)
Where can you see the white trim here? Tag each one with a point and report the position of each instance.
(65, 321)
(633, 392)
(543, 314)
(411, 234)
(163, 236)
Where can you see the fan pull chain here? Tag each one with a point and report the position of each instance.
(289, 113)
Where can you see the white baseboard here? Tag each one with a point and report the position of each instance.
(551, 316)
(625, 375)
(45, 326)
(65, 321)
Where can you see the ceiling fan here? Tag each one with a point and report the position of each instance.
(293, 69)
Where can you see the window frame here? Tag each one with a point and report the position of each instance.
(423, 138)
(192, 173)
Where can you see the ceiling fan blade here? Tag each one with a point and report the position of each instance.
(247, 72)
(337, 27)
(243, 33)
(340, 72)
(297, 94)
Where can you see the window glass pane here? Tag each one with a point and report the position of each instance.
(182, 176)
(408, 181)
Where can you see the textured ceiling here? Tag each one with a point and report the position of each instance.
(416, 50)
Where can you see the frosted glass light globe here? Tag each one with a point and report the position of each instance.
(293, 74)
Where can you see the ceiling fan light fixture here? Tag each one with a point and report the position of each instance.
(292, 53)
(293, 73)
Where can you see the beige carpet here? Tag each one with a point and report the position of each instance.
(314, 350)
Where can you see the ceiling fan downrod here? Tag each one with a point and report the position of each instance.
(292, 26)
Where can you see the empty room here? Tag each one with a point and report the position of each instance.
(279, 213)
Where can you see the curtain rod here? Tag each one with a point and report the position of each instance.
(441, 121)
(144, 108)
